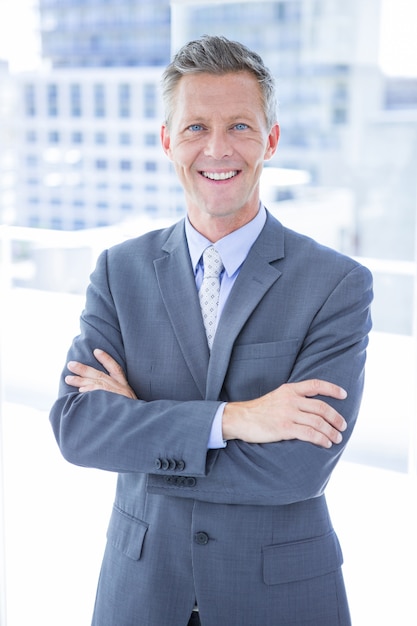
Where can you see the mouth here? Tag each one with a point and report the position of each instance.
(220, 175)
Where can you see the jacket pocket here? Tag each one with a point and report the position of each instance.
(126, 533)
(301, 560)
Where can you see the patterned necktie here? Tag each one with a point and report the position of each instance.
(209, 291)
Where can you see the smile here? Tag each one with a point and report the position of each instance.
(220, 175)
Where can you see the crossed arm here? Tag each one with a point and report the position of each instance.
(289, 412)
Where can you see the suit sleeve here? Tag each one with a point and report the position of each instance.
(290, 471)
(109, 431)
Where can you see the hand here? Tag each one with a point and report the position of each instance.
(288, 412)
(89, 379)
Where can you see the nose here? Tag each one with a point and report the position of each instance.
(219, 144)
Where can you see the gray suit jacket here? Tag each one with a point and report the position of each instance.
(245, 529)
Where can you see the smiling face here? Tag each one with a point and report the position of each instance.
(218, 140)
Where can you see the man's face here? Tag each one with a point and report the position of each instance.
(218, 141)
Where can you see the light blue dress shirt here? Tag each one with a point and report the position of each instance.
(233, 249)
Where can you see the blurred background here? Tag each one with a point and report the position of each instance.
(81, 168)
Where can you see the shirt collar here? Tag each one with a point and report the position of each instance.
(233, 249)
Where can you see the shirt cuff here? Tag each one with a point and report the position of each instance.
(216, 435)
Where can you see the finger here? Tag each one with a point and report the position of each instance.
(74, 381)
(318, 387)
(110, 365)
(85, 371)
(317, 437)
(323, 411)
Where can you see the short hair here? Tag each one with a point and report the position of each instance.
(218, 55)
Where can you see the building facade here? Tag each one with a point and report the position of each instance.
(90, 152)
(105, 33)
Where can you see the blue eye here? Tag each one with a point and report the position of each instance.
(195, 127)
(241, 126)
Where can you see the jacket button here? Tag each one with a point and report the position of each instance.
(180, 466)
(190, 481)
(164, 464)
(158, 464)
(201, 538)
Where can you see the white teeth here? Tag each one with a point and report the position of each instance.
(219, 175)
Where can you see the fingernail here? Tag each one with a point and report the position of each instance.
(339, 438)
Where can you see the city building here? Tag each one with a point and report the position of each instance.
(87, 138)
(94, 33)
(89, 149)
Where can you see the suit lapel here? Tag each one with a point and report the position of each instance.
(182, 304)
(256, 277)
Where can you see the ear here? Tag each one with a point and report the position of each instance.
(166, 140)
(272, 143)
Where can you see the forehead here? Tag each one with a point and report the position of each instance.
(207, 93)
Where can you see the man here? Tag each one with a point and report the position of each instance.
(223, 442)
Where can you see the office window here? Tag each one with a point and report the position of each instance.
(101, 164)
(150, 166)
(151, 139)
(34, 221)
(100, 138)
(53, 136)
(99, 100)
(31, 160)
(125, 139)
(31, 136)
(77, 137)
(52, 100)
(124, 100)
(56, 223)
(339, 116)
(125, 164)
(30, 100)
(102, 205)
(75, 100)
(149, 100)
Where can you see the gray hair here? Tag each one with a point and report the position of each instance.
(218, 55)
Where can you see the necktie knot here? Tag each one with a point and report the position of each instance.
(210, 290)
(213, 265)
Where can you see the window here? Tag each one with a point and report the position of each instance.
(125, 139)
(151, 139)
(75, 100)
(101, 164)
(53, 136)
(100, 138)
(150, 166)
(52, 100)
(99, 100)
(77, 137)
(124, 100)
(149, 100)
(30, 100)
(31, 136)
(31, 160)
(125, 165)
